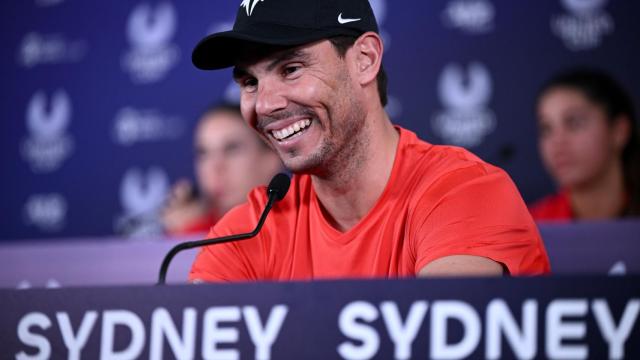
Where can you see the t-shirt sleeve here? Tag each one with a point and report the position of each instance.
(477, 211)
(232, 261)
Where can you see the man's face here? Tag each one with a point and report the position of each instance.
(304, 102)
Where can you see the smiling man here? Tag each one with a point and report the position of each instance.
(367, 199)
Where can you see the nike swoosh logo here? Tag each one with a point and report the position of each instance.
(342, 20)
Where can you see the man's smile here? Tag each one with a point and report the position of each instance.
(292, 130)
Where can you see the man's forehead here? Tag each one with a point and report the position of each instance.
(270, 56)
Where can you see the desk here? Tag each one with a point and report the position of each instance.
(589, 248)
(560, 317)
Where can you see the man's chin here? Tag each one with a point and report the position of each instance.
(299, 165)
(306, 161)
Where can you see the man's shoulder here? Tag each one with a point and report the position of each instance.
(430, 163)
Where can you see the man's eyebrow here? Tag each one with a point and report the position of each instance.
(239, 71)
(288, 55)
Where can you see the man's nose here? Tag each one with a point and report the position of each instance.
(270, 97)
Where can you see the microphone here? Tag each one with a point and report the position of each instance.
(276, 191)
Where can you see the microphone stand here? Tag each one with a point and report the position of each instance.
(273, 197)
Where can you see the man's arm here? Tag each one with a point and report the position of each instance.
(473, 222)
(461, 265)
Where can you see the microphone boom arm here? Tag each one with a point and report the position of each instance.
(221, 240)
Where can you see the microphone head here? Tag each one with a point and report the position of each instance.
(279, 186)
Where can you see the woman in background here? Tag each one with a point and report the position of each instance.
(588, 140)
(230, 160)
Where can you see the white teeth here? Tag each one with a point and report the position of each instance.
(290, 130)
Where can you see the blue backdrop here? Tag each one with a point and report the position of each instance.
(99, 99)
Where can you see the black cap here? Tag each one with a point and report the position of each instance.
(283, 23)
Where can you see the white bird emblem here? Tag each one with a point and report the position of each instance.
(249, 5)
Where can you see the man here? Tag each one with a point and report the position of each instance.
(367, 199)
(230, 160)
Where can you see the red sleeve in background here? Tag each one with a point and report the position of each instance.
(555, 207)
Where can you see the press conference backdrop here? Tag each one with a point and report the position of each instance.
(99, 98)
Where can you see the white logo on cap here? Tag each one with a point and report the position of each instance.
(342, 20)
(249, 5)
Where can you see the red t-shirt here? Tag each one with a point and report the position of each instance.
(439, 201)
(555, 207)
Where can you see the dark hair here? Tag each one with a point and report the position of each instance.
(223, 106)
(601, 89)
(343, 43)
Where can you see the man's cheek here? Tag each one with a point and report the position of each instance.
(247, 107)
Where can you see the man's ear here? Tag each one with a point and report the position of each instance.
(368, 56)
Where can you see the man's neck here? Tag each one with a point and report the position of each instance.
(350, 192)
(602, 199)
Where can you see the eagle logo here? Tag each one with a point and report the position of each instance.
(249, 5)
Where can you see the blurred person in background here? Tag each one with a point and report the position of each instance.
(230, 160)
(588, 141)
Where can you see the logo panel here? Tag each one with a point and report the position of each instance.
(152, 54)
(142, 195)
(132, 126)
(465, 94)
(470, 16)
(48, 145)
(585, 26)
(40, 49)
(47, 212)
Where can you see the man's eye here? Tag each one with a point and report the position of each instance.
(291, 69)
(249, 83)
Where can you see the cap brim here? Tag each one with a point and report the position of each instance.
(221, 50)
